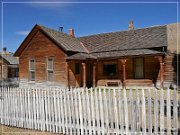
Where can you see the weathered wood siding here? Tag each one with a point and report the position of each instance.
(170, 69)
(75, 80)
(3, 70)
(39, 48)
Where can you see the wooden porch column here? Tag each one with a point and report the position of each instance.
(123, 61)
(67, 75)
(84, 74)
(160, 59)
(94, 75)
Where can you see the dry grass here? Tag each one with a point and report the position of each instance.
(7, 130)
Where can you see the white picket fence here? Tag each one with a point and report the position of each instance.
(91, 111)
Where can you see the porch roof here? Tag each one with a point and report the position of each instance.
(114, 54)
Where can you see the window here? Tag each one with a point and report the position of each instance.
(77, 68)
(50, 70)
(109, 69)
(139, 68)
(32, 70)
(16, 72)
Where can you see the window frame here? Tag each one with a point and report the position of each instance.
(49, 70)
(134, 67)
(32, 71)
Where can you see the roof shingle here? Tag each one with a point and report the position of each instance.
(132, 39)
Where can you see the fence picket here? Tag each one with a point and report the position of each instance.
(149, 113)
(143, 113)
(155, 112)
(88, 112)
(137, 112)
(175, 115)
(132, 111)
(126, 111)
(116, 112)
(101, 111)
(168, 106)
(161, 112)
(84, 111)
(106, 110)
(80, 112)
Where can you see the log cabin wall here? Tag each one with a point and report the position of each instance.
(40, 48)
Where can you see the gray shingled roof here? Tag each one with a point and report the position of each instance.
(10, 58)
(65, 41)
(114, 54)
(124, 40)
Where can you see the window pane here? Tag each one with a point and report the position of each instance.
(77, 68)
(50, 64)
(109, 69)
(32, 76)
(50, 75)
(32, 65)
(139, 69)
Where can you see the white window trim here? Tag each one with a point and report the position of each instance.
(32, 70)
(47, 70)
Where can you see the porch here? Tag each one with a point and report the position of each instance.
(122, 72)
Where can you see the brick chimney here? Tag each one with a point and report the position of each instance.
(4, 49)
(131, 25)
(71, 32)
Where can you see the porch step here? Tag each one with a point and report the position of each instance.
(139, 82)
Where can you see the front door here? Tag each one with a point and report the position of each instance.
(139, 68)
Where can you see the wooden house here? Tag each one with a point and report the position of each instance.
(134, 57)
(9, 69)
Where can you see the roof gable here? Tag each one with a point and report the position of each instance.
(64, 41)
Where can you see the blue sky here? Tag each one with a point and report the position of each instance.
(86, 19)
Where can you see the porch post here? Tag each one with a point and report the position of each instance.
(123, 61)
(84, 74)
(67, 75)
(160, 59)
(94, 75)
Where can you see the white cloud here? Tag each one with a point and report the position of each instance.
(51, 4)
(23, 33)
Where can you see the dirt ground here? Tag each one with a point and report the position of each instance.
(7, 130)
